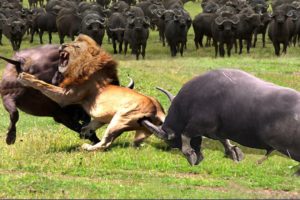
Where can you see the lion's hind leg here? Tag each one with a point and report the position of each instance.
(116, 127)
(140, 136)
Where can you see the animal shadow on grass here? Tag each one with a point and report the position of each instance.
(64, 148)
(215, 145)
(77, 147)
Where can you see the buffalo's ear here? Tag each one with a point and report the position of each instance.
(293, 15)
(146, 22)
(130, 21)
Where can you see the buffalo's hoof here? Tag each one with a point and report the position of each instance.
(90, 135)
(87, 147)
(199, 158)
(297, 173)
(192, 157)
(11, 138)
(235, 154)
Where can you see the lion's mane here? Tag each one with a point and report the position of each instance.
(92, 63)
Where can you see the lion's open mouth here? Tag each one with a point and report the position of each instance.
(63, 61)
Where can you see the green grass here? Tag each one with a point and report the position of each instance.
(46, 161)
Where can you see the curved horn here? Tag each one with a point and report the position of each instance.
(157, 130)
(290, 13)
(177, 12)
(219, 21)
(250, 15)
(13, 62)
(116, 29)
(169, 94)
(235, 20)
(131, 83)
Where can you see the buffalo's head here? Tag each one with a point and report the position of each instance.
(95, 24)
(171, 133)
(254, 19)
(138, 23)
(227, 22)
(180, 18)
(166, 15)
(210, 7)
(280, 16)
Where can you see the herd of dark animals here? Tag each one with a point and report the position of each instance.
(127, 22)
(177, 130)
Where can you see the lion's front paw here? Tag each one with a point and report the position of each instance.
(87, 147)
(24, 78)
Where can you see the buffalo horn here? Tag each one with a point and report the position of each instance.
(235, 20)
(169, 95)
(219, 21)
(131, 83)
(117, 29)
(290, 13)
(157, 130)
(13, 62)
(250, 15)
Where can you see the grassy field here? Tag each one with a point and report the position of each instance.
(46, 161)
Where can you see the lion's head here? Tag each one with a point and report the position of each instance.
(82, 58)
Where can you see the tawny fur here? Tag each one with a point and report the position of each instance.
(88, 62)
(89, 81)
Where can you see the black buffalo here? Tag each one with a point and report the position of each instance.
(14, 29)
(93, 25)
(202, 26)
(68, 23)
(249, 22)
(136, 34)
(281, 30)
(115, 30)
(224, 32)
(232, 104)
(45, 21)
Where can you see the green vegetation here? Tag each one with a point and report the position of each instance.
(46, 161)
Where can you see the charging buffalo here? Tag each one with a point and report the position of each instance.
(232, 104)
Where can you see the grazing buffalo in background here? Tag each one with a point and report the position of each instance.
(176, 31)
(14, 29)
(232, 104)
(265, 20)
(224, 32)
(136, 34)
(115, 30)
(281, 30)
(45, 21)
(93, 25)
(68, 23)
(43, 63)
(249, 22)
(202, 26)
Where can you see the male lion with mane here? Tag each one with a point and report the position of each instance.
(89, 79)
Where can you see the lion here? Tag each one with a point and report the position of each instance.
(90, 79)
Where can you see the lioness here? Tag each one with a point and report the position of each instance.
(89, 76)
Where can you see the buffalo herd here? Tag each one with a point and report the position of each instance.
(226, 24)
